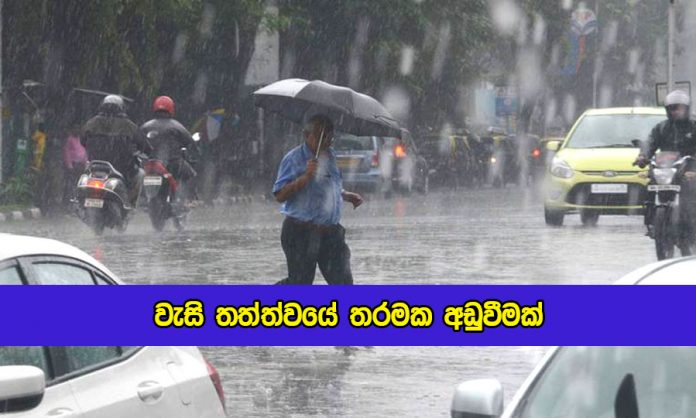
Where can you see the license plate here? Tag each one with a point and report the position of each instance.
(664, 188)
(609, 188)
(94, 203)
(152, 181)
(348, 162)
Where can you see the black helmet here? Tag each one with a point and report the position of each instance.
(112, 105)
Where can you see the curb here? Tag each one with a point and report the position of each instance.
(21, 215)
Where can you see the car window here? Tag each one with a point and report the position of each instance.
(10, 275)
(612, 130)
(60, 273)
(24, 356)
(584, 382)
(353, 143)
(101, 280)
(78, 358)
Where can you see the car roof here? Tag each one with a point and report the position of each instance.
(13, 246)
(627, 111)
(679, 270)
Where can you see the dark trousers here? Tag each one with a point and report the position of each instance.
(306, 245)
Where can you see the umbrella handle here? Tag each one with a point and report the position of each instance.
(321, 138)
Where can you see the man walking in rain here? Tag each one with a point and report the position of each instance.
(310, 187)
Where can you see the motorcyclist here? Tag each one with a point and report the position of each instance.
(111, 136)
(167, 137)
(677, 133)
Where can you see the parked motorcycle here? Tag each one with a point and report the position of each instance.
(673, 209)
(102, 198)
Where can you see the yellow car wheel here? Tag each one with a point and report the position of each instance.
(553, 217)
(589, 217)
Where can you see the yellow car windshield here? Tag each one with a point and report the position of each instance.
(612, 131)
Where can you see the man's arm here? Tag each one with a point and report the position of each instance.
(351, 197)
(653, 142)
(649, 147)
(140, 140)
(185, 137)
(290, 189)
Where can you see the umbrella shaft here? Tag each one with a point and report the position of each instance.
(321, 138)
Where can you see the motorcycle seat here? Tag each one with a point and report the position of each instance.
(99, 165)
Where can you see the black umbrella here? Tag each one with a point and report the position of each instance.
(352, 112)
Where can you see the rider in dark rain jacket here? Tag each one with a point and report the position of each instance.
(167, 136)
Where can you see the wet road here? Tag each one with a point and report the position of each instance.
(471, 236)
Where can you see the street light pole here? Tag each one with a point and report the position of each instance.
(597, 57)
(670, 47)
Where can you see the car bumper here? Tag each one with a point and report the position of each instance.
(574, 194)
(370, 179)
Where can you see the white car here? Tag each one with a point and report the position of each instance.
(599, 381)
(31, 260)
(95, 381)
(108, 382)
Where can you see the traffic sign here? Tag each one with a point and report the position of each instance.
(661, 90)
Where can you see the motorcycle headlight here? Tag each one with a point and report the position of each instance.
(111, 184)
(560, 168)
(664, 175)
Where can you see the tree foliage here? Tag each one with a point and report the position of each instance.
(430, 52)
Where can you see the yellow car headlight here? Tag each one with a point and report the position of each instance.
(560, 168)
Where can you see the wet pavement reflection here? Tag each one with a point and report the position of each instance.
(470, 236)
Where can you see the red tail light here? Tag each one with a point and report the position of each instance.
(375, 159)
(399, 151)
(215, 378)
(536, 153)
(97, 184)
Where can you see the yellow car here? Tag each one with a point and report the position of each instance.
(592, 172)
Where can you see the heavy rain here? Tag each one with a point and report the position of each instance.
(506, 142)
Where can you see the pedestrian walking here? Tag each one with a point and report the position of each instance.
(310, 187)
(74, 162)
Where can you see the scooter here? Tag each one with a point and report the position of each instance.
(102, 198)
(672, 219)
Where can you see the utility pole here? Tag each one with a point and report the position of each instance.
(597, 58)
(670, 47)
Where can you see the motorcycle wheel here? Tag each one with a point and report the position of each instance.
(589, 217)
(95, 220)
(157, 210)
(423, 189)
(664, 245)
(119, 215)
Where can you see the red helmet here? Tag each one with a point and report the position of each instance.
(163, 104)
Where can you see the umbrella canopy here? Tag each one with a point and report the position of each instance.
(352, 112)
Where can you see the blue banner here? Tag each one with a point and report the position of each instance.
(350, 315)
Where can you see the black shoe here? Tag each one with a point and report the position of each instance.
(650, 232)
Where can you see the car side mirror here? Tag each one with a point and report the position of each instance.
(553, 145)
(478, 398)
(21, 388)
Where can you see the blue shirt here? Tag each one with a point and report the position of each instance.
(320, 201)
